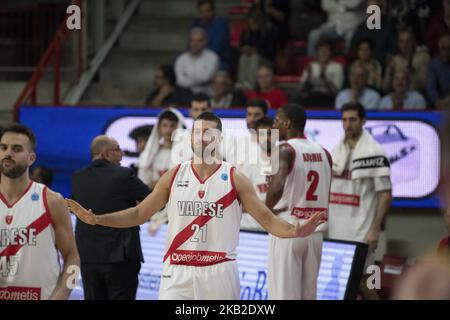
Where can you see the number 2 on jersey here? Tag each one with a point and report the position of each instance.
(200, 233)
(313, 177)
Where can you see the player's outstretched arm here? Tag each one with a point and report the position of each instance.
(65, 242)
(131, 217)
(271, 223)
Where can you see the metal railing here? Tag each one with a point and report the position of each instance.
(58, 70)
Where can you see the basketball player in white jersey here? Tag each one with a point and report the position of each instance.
(34, 225)
(303, 183)
(203, 198)
(259, 172)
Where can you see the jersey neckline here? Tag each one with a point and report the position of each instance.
(198, 177)
(10, 206)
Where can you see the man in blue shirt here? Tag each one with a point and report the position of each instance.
(217, 30)
(438, 80)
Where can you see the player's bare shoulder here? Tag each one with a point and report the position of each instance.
(286, 152)
(56, 204)
(241, 181)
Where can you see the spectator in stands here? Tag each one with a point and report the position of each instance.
(384, 39)
(438, 79)
(278, 12)
(258, 45)
(224, 96)
(367, 61)
(322, 79)
(42, 175)
(401, 97)
(438, 26)
(217, 30)
(358, 91)
(415, 15)
(306, 16)
(266, 89)
(343, 18)
(195, 68)
(410, 58)
(200, 103)
(166, 92)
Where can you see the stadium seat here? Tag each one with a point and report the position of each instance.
(391, 268)
(236, 28)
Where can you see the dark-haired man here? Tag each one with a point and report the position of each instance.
(203, 197)
(361, 190)
(34, 225)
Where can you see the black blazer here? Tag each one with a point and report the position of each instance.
(104, 188)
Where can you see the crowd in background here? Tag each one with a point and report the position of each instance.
(405, 65)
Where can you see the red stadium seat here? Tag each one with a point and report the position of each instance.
(241, 9)
(303, 62)
(341, 59)
(236, 28)
(238, 10)
(391, 268)
(289, 79)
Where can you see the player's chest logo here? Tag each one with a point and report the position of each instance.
(201, 193)
(8, 219)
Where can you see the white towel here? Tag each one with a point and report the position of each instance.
(152, 146)
(368, 159)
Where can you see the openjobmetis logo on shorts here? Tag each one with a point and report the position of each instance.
(196, 258)
(210, 145)
(20, 293)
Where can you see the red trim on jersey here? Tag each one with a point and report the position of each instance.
(47, 208)
(291, 166)
(330, 159)
(198, 177)
(18, 199)
(173, 177)
(188, 231)
(232, 181)
(39, 225)
(345, 199)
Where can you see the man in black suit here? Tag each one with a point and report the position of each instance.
(110, 258)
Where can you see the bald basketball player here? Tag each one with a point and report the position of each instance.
(303, 184)
(204, 198)
(34, 226)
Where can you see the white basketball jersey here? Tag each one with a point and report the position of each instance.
(307, 187)
(204, 217)
(29, 265)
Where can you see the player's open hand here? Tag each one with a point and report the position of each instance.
(84, 215)
(310, 225)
